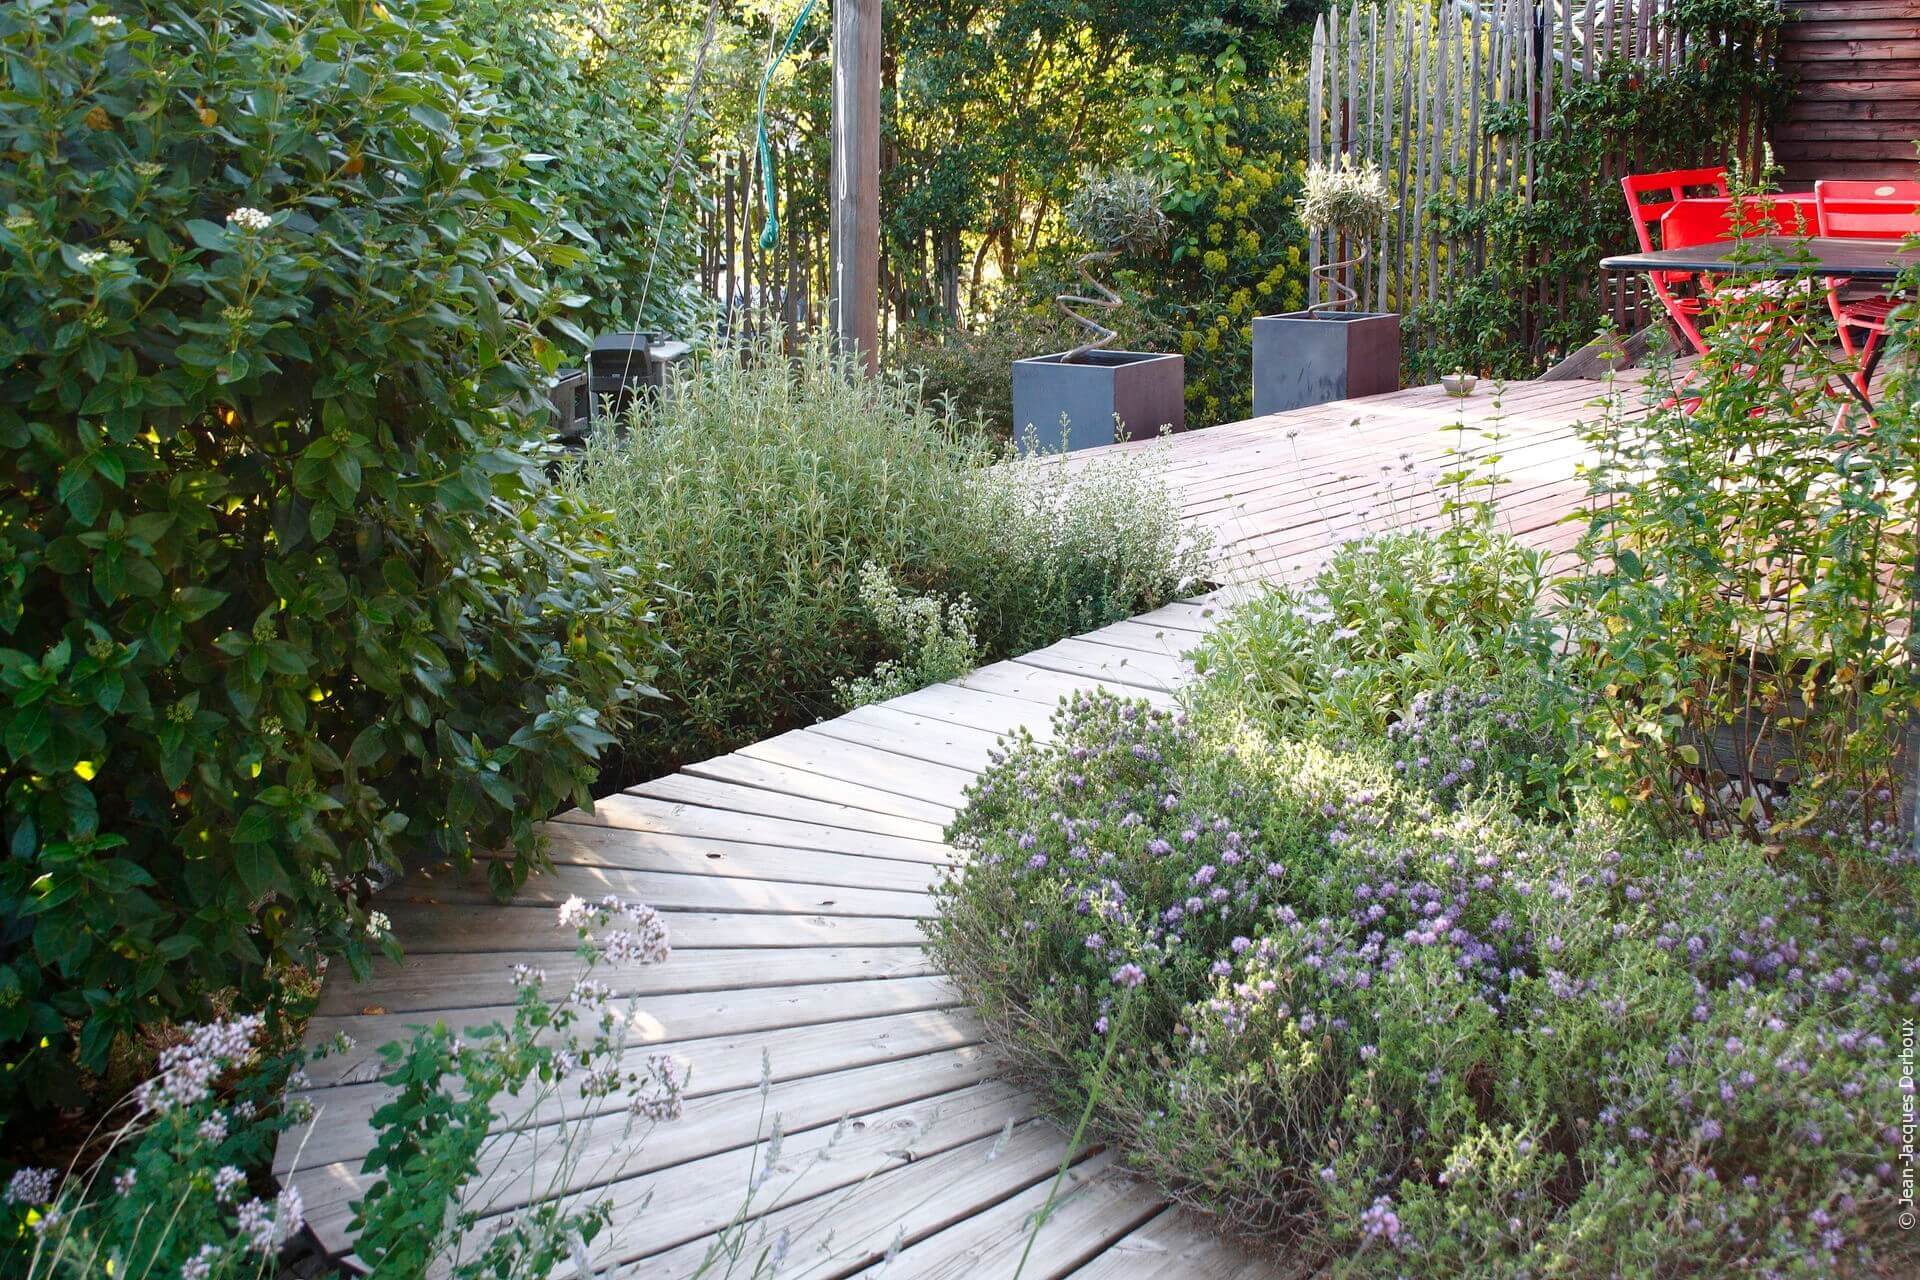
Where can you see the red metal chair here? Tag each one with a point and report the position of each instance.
(1649, 197)
(1869, 210)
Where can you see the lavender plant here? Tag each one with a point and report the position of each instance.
(1408, 1039)
(1509, 734)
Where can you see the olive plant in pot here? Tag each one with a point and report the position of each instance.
(1092, 394)
(1331, 351)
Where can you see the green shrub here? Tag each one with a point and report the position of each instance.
(1390, 615)
(763, 485)
(1746, 586)
(1046, 549)
(285, 598)
(596, 115)
(1394, 1040)
(756, 492)
(972, 372)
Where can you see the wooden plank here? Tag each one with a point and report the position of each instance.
(941, 784)
(912, 737)
(1820, 132)
(1020, 679)
(1140, 637)
(1179, 1244)
(1199, 619)
(1853, 90)
(1096, 1205)
(1810, 170)
(1809, 11)
(1895, 148)
(902, 1205)
(1316, 75)
(677, 891)
(484, 929)
(785, 780)
(713, 794)
(1849, 71)
(1880, 49)
(665, 1019)
(438, 982)
(1132, 670)
(1857, 28)
(575, 845)
(709, 1065)
(1890, 109)
(637, 813)
(606, 1147)
(693, 1201)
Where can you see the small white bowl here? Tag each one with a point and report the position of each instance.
(1458, 384)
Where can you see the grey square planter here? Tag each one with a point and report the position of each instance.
(1300, 359)
(1146, 391)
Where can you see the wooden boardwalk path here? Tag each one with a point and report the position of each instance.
(794, 873)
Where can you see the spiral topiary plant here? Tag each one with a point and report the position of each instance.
(1118, 212)
(1350, 199)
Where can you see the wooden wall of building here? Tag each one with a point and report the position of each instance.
(1856, 104)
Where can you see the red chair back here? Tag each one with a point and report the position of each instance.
(1650, 195)
(1871, 210)
(1689, 222)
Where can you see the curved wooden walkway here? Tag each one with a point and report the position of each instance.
(794, 874)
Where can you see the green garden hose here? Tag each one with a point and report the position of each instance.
(770, 232)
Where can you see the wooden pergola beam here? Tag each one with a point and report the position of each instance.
(853, 302)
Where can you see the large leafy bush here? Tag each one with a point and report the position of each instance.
(284, 601)
(763, 485)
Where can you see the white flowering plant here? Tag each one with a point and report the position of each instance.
(181, 1190)
(460, 1101)
(173, 1195)
(932, 634)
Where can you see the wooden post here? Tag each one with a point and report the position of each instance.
(854, 250)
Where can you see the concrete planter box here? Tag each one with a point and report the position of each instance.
(1300, 359)
(1145, 391)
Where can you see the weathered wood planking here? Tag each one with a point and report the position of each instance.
(1855, 110)
(795, 876)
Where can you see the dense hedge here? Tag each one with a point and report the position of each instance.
(285, 601)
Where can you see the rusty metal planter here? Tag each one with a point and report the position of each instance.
(1143, 391)
(1303, 358)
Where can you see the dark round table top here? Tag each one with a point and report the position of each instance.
(1780, 256)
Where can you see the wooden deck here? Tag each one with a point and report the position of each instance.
(794, 874)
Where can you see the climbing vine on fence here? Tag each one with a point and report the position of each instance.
(1638, 114)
